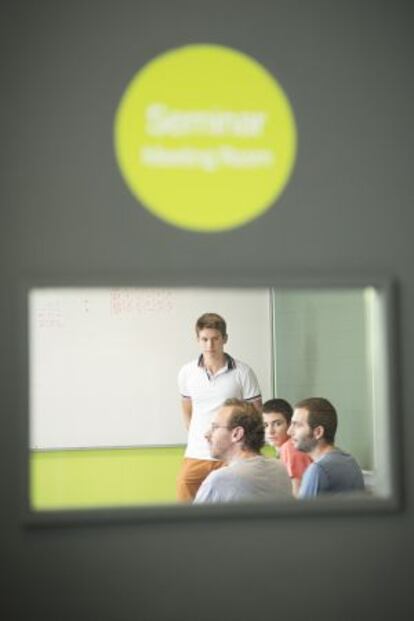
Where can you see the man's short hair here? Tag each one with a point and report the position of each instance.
(212, 321)
(281, 406)
(321, 413)
(245, 415)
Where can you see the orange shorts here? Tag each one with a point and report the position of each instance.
(192, 474)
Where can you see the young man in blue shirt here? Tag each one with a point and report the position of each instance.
(312, 429)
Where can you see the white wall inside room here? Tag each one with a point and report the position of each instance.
(104, 362)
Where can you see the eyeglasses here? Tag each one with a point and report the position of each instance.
(214, 426)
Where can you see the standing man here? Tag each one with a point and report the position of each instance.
(236, 436)
(312, 429)
(204, 384)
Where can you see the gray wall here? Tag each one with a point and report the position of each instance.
(322, 348)
(347, 67)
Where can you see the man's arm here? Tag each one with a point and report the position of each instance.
(211, 488)
(312, 481)
(187, 408)
(250, 387)
(257, 404)
(295, 486)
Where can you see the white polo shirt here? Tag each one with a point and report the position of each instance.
(207, 393)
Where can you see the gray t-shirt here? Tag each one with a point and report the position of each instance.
(253, 479)
(335, 472)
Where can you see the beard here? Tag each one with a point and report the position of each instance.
(306, 445)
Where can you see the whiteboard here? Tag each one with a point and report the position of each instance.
(103, 363)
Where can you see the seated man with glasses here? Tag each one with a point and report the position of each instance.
(236, 436)
(204, 384)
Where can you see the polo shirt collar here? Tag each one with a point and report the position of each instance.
(231, 363)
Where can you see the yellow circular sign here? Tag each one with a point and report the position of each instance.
(205, 137)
